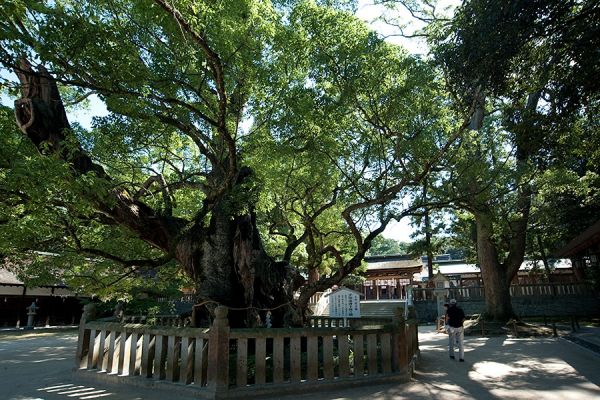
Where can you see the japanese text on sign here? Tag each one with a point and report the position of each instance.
(344, 304)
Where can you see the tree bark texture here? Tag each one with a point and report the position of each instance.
(497, 276)
(496, 282)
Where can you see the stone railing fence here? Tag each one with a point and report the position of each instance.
(158, 320)
(184, 298)
(229, 363)
(531, 290)
(321, 321)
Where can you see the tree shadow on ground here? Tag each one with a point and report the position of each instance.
(497, 367)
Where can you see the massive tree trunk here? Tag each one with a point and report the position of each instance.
(428, 234)
(496, 282)
(232, 268)
(226, 259)
(497, 275)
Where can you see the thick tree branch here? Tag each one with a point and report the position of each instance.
(216, 65)
(160, 180)
(41, 116)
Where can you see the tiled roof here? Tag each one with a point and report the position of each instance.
(458, 268)
(393, 264)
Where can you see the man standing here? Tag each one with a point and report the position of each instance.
(455, 317)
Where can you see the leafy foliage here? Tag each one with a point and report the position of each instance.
(383, 246)
(293, 110)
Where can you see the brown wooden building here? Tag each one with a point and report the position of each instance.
(461, 274)
(584, 252)
(387, 277)
(56, 304)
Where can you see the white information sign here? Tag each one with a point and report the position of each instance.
(344, 303)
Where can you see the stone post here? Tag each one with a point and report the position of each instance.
(409, 295)
(440, 299)
(218, 353)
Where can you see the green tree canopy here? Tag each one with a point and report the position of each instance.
(246, 141)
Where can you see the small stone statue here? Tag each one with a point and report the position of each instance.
(119, 310)
(268, 317)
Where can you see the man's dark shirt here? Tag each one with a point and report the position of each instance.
(455, 316)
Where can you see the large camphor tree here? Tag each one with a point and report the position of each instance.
(245, 142)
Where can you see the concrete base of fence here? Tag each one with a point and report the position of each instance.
(171, 390)
(183, 392)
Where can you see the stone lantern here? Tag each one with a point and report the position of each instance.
(440, 290)
(31, 312)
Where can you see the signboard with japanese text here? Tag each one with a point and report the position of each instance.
(344, 303)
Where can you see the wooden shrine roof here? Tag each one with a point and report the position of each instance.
(392, 266)
(587, 239)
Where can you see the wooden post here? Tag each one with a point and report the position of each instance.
(260, 367)
(372, 353)
(83, 341)
(218, 353)
(359, 353)
(328, 357)
(400, 362)
(241, 376)
(200, 362)
(113, 357)
(402, 350)
(344, 355)
(102, 351)
(386, 352)
(312, 358)
(278, 359)
(145, 368)
(399, 343)
(295, 359)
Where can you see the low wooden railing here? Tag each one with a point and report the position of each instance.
(223, 362)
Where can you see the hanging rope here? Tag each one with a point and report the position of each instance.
(242, 308)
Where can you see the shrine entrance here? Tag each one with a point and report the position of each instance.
(388, 277)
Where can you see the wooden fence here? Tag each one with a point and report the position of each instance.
(532, 290)
(227, 363)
